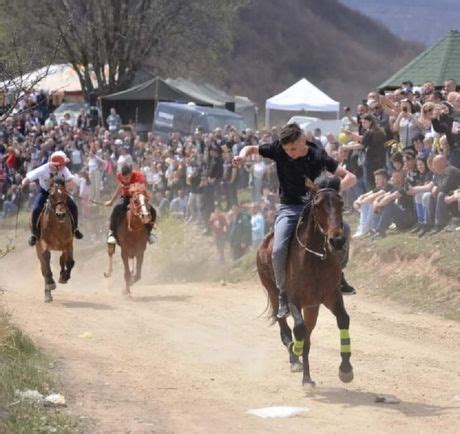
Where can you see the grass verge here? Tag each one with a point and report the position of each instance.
(23, 367)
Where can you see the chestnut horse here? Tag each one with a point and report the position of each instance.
(56, 233)
(313, 276)
(132, 235)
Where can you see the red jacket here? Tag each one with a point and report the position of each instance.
(136, 178)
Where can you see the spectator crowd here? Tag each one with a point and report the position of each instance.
(403, 146)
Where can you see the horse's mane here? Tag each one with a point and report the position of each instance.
(328, 181)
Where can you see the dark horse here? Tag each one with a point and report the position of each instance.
(132, 234)
(56, 233)
(313, 276)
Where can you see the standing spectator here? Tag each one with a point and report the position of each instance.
(84, 192)
(239, 232)
(113, 121)
(95, 169)
(257, 175)
(373, 145)
(257, 225)
(219, 227)
(406, 125)
(178, 206)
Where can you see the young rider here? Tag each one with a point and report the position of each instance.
(54, 168)
(126, 178)
(296, 159)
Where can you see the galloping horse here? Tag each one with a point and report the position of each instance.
(132, 234)
(313, 276)
(56, 233)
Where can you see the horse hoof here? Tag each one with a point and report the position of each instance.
(346, 377)
(50, 286)
(126, 294)
(296, 367)
(308, 385)
(48, 297)
(107, 275)
(62, 280)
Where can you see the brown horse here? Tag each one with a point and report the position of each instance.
(56, 233)
(313, 276)
(132, 234)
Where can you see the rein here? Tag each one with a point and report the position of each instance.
(322, 255)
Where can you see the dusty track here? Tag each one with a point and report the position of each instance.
(193, 358)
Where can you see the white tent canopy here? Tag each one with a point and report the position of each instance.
(301, 96)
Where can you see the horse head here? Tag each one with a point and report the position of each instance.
(327, 209)
(58, 198)
(139, 202)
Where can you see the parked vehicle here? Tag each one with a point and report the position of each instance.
(308, 123)
(185, 118)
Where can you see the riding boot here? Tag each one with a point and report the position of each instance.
(346, 288)
(77, 234)
(283, 308)
(74, 211)
(152, 239)
(34, 226)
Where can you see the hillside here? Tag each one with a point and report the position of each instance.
(338, 49)
(419, 20)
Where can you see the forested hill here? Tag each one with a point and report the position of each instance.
(345, 53)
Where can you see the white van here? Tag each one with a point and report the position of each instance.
(308, 123)
(185, 118)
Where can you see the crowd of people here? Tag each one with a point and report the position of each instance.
(403, 146)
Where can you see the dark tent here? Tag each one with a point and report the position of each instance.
(137, 104)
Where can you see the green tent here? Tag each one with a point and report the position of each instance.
(437, 64)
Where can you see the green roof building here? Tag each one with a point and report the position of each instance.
(437, 64)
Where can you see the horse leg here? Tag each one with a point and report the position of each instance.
(110, 251)
(337, 307)
(69, 261)
(44, 256)
(310, 316)
(139, 261)
(286, 338)
(125, 258)
(301, 344)
(66, 261)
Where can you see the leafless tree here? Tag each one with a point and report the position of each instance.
(19, 58)
(109, 41)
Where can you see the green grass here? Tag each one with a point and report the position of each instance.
(22, 367)
(421, 273)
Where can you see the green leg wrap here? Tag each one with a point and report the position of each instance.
(345, 342)
(297, 347)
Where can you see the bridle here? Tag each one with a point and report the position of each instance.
(136, 206)
(316, 223)
(54, 204)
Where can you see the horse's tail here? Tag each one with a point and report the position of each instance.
(267, 277)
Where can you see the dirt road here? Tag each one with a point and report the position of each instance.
(193, 358)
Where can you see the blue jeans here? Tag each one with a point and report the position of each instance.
(285, 224)
(392, 213)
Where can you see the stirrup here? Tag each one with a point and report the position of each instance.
(32, 240)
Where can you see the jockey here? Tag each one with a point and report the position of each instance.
(296, 159)
(54, 168)
(126, 178)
